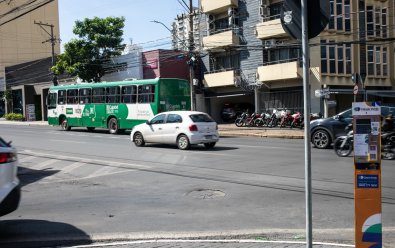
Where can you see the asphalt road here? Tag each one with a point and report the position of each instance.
(89, 186)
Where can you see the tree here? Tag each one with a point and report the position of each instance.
(7, 97)
(99, 39)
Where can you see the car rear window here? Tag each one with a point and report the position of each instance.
(201, 118)
(3, 143)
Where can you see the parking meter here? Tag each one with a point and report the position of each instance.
(367, 174)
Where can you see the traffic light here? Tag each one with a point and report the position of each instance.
(355, 78)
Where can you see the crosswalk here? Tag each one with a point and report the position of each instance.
(66, 168)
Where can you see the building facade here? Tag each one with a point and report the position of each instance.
(23, 39)
(248, 57)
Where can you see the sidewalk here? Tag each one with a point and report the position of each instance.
(224, 130)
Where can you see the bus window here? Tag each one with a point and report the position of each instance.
(146, 93)
(129, 94)
(99, 95)
(113, 94)
(51, 102)
(85, 95)
(61, 97)
(72, 96)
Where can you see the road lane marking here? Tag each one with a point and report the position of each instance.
(25, 159)
(44, 164)
(69, 141)
(72, 167)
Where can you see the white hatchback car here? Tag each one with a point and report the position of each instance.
(10, 191)
(184, 128)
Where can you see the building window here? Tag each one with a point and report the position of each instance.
(377, 21)
(369, 21)
(331, 24)
(348, 59)
(370, 60)
(284, 55)
(378, 61)
(384, 23)
(340, 60)
(385, 62)
(332, 58)
(339, 14)
(324, 57)
(347, 16)
(337, 57)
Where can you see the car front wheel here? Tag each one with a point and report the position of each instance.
(183, 142)
(138, 139)
(321, 139)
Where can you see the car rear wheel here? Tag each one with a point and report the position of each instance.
(138, 139)
(183, 142)
(321, 139)
(209, 145)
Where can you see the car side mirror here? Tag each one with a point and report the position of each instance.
(337, 117)
(148, 122)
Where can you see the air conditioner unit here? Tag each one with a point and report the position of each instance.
(263, 2)
(211, 26)
(264, 11)
(233, 11)
(211, 18)
(270, 43)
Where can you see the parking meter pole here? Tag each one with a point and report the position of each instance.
(306, 96)
(367, 174)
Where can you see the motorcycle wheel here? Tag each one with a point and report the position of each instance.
(342, 151)
(258, 123)
(239, 122)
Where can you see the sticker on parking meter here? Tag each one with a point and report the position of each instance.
(375, 128)
(368, 181)
(361, 145)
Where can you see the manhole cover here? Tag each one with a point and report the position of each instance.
(206, 193)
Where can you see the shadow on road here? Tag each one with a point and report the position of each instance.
(40, 233)
(28, 176)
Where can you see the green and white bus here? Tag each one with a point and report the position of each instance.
(115, 105)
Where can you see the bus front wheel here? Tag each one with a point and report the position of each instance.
(64, 125)
(113, 126)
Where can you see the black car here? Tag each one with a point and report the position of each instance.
(324, 131)
(230, 111)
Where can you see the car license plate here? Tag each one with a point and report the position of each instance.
(208, 136)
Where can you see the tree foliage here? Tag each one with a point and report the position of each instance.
(98, 40)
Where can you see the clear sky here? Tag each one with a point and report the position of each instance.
(138, 15)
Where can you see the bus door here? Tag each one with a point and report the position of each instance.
(97, 112)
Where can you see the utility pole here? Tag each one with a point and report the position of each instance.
(192, 56)
(53, 41)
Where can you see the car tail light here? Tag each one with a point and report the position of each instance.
(7, 157)
(193, 128)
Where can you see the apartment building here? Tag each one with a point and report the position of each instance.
(23, 40)
(248, 57)
(180, 32)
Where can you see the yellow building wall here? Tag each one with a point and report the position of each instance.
(21, 40)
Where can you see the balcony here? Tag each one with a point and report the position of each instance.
(284, 71)
(270, 29)
(220, 40)
(218, 6)
(218, 79)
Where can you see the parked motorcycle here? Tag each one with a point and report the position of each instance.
(274, 119)
(286, 118)
(246, 120)
(262, 120)
(297, 120)
(344, 145)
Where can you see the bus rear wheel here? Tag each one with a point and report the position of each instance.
(113, 126)
(64, 125)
